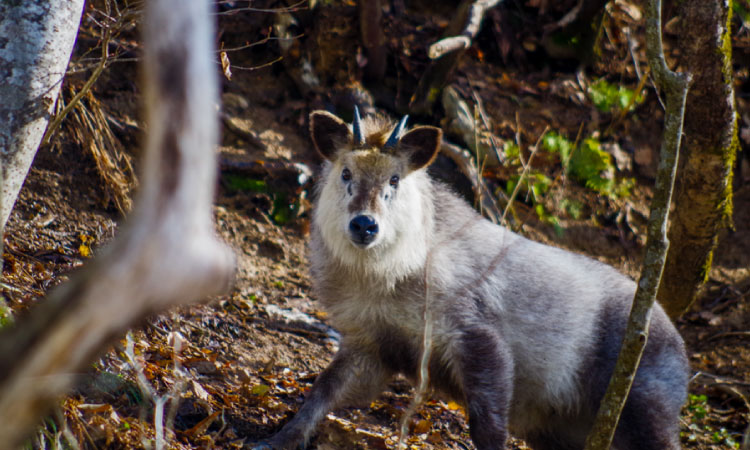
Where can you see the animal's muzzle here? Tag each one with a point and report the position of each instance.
(363, 229)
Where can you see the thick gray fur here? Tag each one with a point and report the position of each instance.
(525, 334)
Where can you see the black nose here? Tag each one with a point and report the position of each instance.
(363, 229)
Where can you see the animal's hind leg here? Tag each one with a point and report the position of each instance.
(647, 423)
(650, 419)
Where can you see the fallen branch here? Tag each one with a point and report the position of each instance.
(445, 53)
(729, 334)
(286, 176)
(464, 40)
(636, 335)
(167, 253)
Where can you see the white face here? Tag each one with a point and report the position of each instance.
(398, 207)
(364, 199)
(373, 212)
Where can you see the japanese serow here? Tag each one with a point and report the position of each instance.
(524, 335)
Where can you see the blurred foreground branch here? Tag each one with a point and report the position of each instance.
(167, 253)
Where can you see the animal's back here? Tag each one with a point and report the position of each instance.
(562, 314)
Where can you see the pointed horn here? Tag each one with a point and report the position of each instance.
(393, 139)
(359, 138)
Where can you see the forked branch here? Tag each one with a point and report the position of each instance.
(167, 253)
(445, 53)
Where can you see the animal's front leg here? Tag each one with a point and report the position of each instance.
(353, 377)
(487, 378)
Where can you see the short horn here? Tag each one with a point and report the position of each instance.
(393, 139)
(359, 138)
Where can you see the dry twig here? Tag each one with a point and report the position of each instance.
(526, 168)
(470, 30)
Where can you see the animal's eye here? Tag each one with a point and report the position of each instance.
(394, 181)
(346, 175)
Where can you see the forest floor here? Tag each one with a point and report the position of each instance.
(238, 366)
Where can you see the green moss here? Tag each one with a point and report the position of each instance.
(729, 152)
(433, 95)
(6, 314)
(730, 158)
(726, 49)
(706, 270)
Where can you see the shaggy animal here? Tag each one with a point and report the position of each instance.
(525, 335)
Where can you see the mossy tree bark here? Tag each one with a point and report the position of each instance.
(704, 194)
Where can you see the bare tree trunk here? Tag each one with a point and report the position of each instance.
(704, 197)
(373, 39)
(36, 40)
(675, 86)
(166, 254)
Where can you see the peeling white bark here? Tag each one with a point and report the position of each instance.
(166, 254)
(36, 40)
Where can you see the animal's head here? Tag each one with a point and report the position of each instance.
(373, 191)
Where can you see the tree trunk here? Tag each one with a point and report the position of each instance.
(704, 197)
(36, 39)
(373, 39)
(166, 255)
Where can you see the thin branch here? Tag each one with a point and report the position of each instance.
(295, 7)
(524, 173)
(465, 38)
(250, 69)
(567, 19)
(260, 42)
(424, 372)
(730, 333)
(636, 335)
(103, 62)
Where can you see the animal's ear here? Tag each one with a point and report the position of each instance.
(421, 144)
(328, 133)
